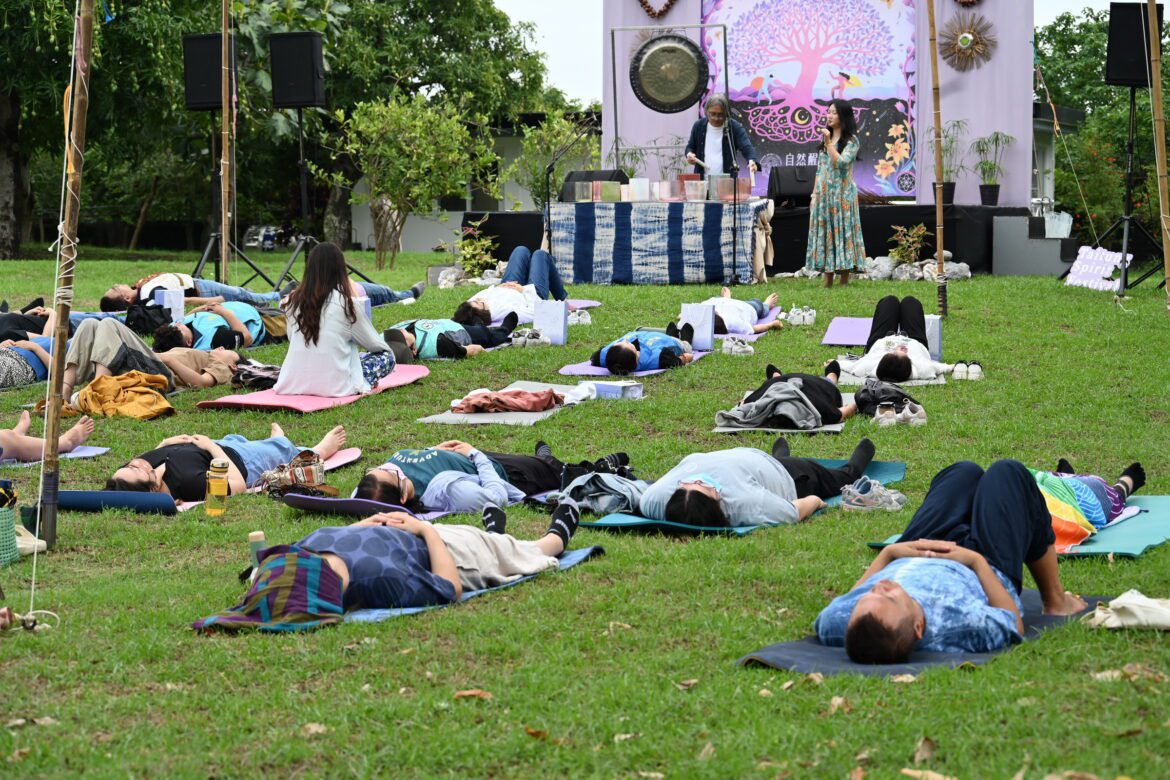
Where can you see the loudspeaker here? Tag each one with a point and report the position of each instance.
(568, 191)
(298, 70)
(1127, 63)
(791, 186)
(202, 70)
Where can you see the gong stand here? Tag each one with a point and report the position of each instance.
(669, 74)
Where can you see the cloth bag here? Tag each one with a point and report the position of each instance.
(701, 317)
(1131, 609)
(303, 474)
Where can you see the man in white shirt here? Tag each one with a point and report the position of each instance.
(528, 278)
(713, 137)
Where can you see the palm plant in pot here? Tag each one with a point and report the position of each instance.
(953, 161)
(990, 149)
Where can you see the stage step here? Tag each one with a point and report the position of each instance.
(1021, 248)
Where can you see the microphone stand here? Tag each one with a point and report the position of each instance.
(730, 136)
(548, 172)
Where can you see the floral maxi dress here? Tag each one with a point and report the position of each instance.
(834, 223)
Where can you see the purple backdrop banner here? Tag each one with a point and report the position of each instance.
(789, 58)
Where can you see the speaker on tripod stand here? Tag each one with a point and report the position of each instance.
(298, 81)
(202, 74)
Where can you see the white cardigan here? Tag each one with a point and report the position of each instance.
(331, 367)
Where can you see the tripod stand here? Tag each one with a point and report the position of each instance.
(1126, 220)
(305, 240)
(212, 249)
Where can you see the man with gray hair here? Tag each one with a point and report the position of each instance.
(715, 139)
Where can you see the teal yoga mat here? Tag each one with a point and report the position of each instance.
(1126, 539)
(884, 471)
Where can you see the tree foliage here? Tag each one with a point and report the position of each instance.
(541, 143)
(412, 152)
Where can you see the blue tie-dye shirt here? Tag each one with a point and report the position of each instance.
(959, 619)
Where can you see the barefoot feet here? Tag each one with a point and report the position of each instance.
(23, 426)
(333, 441)
(276, 430)
(76, 435)
(1067, 604)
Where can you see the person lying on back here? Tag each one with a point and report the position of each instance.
(646, 350)
(430, 339)
(228, 325)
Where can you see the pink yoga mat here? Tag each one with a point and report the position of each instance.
(268, 399)
(339, 459)
(587, 369)
(771, 316)
(848, 331)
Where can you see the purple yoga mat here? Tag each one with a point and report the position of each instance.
(82, 451)
(772, 314)
(848, 331)
(587, 369)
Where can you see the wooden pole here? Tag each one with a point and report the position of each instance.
(75, 157)
(938, 166)
(1159, 138)
(225, 179)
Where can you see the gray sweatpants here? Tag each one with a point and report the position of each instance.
(485, 560)
(108, 342)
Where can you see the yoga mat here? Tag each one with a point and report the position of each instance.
(884, 471)
(83, 451)
(587, 369)
(364, 507)
(771, 316)
(849, 379)
(97, 500)
(574, 305)
(268, 399)
(808, 655)
(503, 418)
(846, 398)
(847, 331)
(567, 561)
(339, 459)
(1125, 538)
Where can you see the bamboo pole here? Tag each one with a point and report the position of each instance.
(225, 179)
(75, 157)
(938, 166)
(1159, 138)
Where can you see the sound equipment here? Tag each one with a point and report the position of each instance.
(568, 190)
(791, 186)
(1127, 62)
(298, 70)
(669, 73)
(203, 70)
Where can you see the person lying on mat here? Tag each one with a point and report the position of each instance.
(1100, 502)
(109, 348)
(196, 368)
(18, 445)
(646, 350)
(742, 317)
(228, 325)
(456, 477)
(387, 561)
(178, 466)
(431, 339)
(24, 361)
(28, 324)
(821, 391)
(327, 332)
(197, 292)
(746, 486)
(896, 350)
(529, 277)
(953, 583)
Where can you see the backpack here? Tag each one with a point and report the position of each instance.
(146, 318)
(877, 392)
(256, 376)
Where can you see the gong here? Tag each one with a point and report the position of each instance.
(669, 73)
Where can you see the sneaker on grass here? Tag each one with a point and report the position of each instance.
(866, 494)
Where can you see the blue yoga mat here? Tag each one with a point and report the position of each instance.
(808, 655)
(567, 561)
(97, 500)
(1126, 539)
(884, 471)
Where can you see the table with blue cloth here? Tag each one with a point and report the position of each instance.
(651, 242)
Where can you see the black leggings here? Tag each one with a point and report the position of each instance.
(530, 474)
(892, 316)
(813, 479)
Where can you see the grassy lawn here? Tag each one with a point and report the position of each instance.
(577, 663)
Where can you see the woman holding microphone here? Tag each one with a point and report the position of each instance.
(835, 245)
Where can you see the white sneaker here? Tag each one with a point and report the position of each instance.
(974, 371)
(960, 370)
(580, 317)
(733, 345)
(885, 415)
(810, 316)
(912, 414)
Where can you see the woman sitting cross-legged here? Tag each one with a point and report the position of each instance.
(896, 350)
(746, 486)
(646, 350)
(457, 477)
(16, 444)
(326, 332)
(387, 561)
(179, 464)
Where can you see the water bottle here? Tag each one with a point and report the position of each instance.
(215, 502)
(256, 543)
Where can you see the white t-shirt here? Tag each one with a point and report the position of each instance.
(713, 149)
(738, 316)
(923, 366)
(501, 301)
(168, 281)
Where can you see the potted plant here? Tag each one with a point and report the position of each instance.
(907, 243)
(953, 162)
(990, 149)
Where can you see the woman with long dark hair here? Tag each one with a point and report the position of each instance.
(835, 245)
(326, 330)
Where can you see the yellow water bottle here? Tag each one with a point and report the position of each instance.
(215, 502)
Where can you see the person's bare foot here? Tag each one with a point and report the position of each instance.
(725, 292)
(276, 430)
(76, 436)
(1069, 604)
(771, 300)
(333, 441)
(23, 425)
(828, 280)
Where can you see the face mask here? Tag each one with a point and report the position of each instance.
(702, 479)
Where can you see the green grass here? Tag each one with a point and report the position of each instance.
(596, 652)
